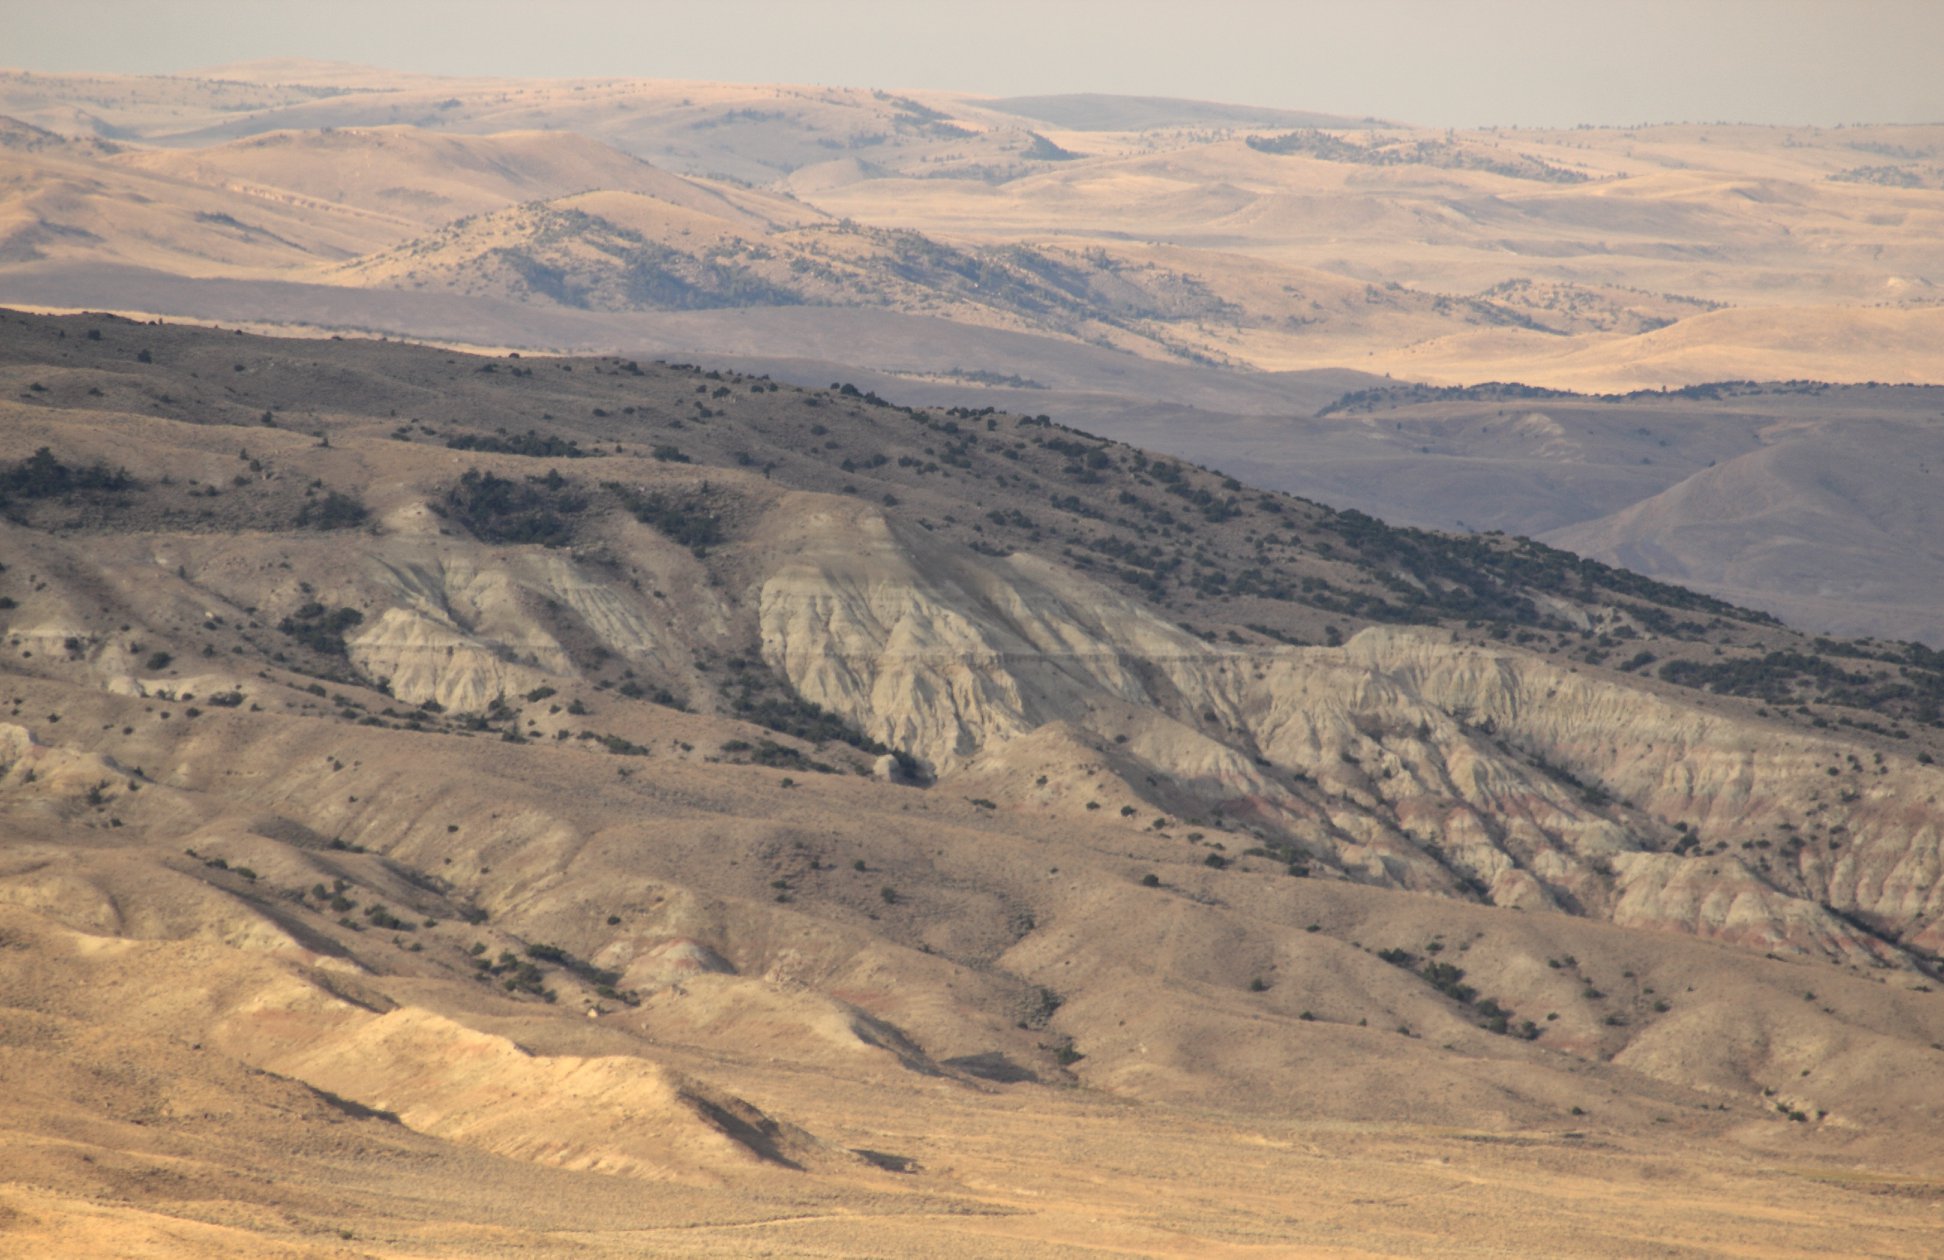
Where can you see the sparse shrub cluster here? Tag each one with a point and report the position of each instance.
(320, 629)
(515, 974)
(532, 444)
(1911, 688)
(688, 519)
(43, 476)
(335, 510)
(767, 752)
(1449, 980)
(498, 509)
(616, 744)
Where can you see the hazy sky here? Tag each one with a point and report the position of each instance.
(1438, 62)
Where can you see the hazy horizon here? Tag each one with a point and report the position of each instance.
(1483, 63)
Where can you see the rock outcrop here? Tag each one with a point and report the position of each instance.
(1403, 758)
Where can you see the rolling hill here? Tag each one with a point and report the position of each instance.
(843, 825)
(1182, 274)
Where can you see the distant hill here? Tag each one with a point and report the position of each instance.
(1094, 111)
(957, 244)
(418, 176)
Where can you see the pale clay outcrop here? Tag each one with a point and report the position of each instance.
(1402, 758)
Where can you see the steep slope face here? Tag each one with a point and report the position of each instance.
(942, 652)
(1802, 817)
(1401, 759)
(462, 630)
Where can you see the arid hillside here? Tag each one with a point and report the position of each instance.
(460, 804)
(1207, 280)
(1592, 259)
(1815, 502)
